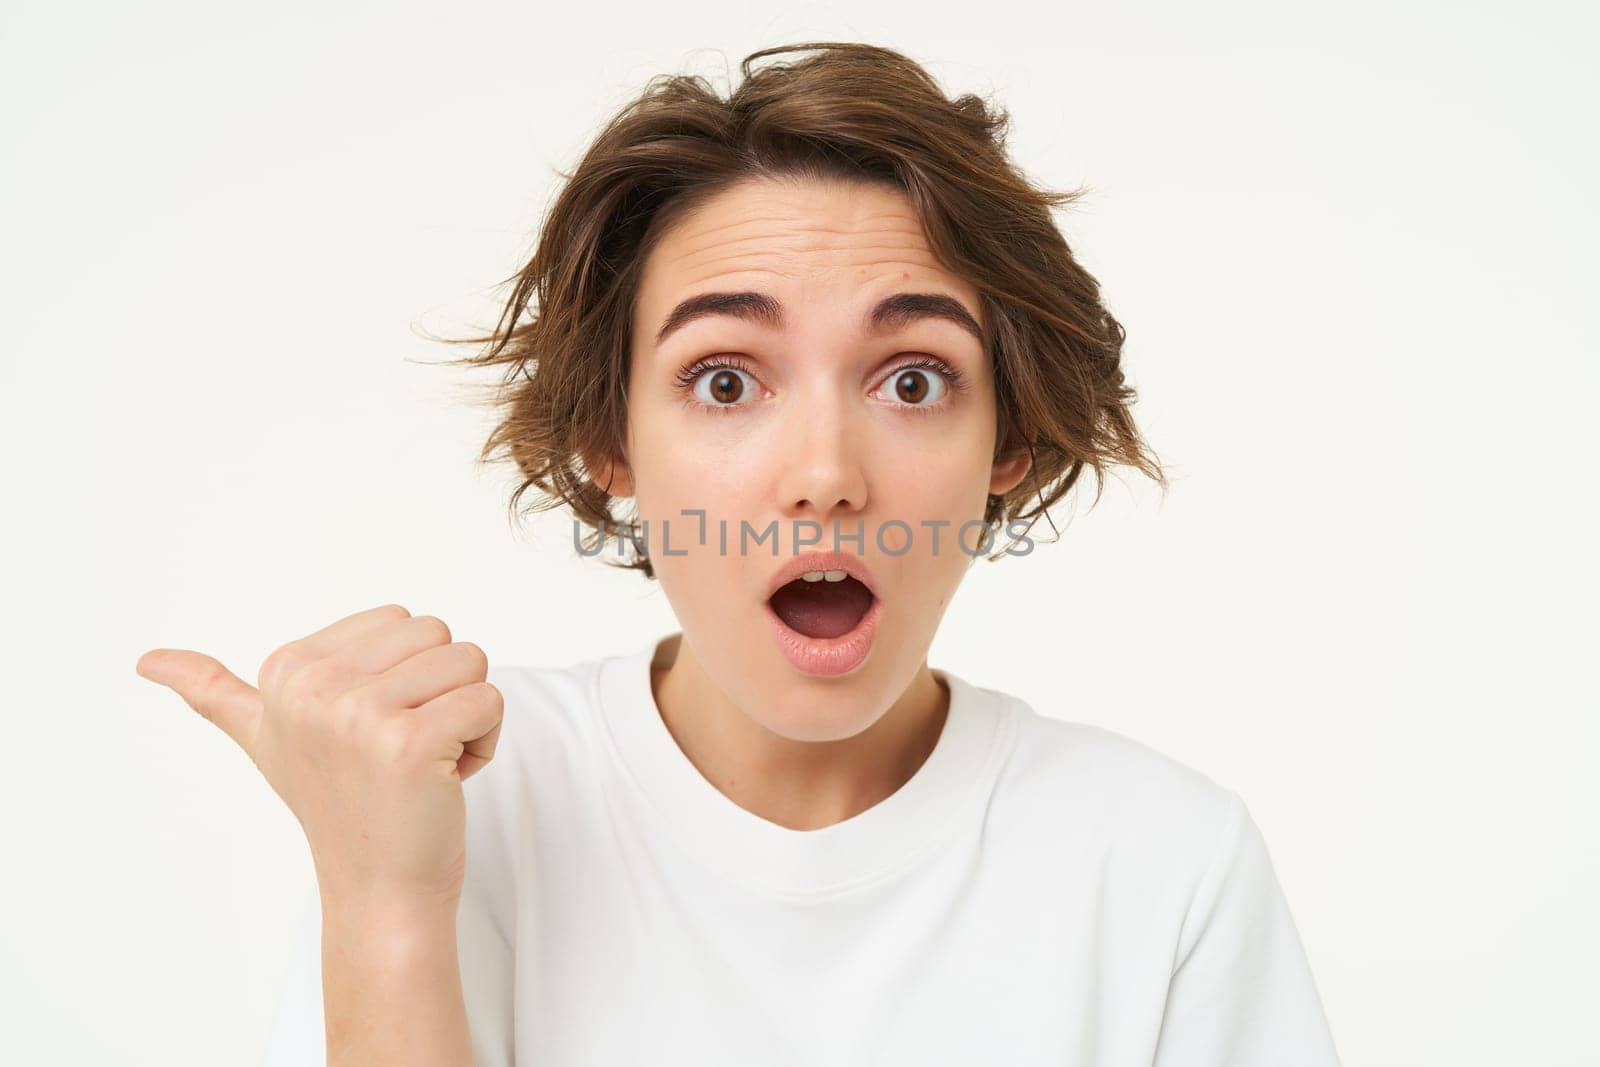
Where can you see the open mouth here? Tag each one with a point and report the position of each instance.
(825, 627)
(822, 609)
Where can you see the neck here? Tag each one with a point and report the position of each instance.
(801, 785)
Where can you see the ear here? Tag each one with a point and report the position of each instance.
(610, 474)
(1008, 471)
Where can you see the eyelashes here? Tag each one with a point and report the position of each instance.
(689, 375)
(954, 380)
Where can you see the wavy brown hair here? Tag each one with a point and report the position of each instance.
(842, 110)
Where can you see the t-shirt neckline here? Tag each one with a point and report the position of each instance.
(776, 860)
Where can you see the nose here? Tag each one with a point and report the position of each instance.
(822, 477)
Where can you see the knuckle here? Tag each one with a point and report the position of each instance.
(490, 694)
(352, 707)
(481, 699)
(210, 677)
(205, 686)
(474, 657)
(395, 742)
(274, 668)
(336, 723)
(434, 627)
(304, 691)
(295, 689)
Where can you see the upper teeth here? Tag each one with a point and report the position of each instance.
(832, 576)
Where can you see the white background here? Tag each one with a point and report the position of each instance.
(1354, 251)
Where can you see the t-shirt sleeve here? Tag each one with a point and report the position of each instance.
(298, 1038)
(1242, 993)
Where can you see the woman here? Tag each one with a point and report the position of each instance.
(828, 341)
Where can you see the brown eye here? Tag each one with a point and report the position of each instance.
(912, 386)
(726, 386)
(720, 386)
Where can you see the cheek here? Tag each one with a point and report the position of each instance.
(676, 478)
(942, 479)
(682, 465)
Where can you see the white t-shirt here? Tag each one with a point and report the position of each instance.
(1039, 892)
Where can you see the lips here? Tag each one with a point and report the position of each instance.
(824, 628)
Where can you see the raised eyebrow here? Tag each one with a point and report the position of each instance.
(891, 313)
(748, 305)
(895, 312)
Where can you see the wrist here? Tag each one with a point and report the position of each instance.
(398, 917)
(391, 981)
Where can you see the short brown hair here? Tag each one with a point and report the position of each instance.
(846, 110)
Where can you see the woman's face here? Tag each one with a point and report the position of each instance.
(810, 417)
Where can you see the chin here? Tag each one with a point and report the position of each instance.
(803, 708)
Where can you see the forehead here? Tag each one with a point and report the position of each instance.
(830, 239)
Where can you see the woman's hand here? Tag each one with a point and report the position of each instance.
(366, 729)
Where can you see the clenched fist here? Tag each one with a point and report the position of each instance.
(366, 729)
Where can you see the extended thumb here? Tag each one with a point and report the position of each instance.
(206, 686)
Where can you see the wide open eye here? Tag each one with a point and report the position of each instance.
(723, 386)
(924, 384)
(719, 382)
